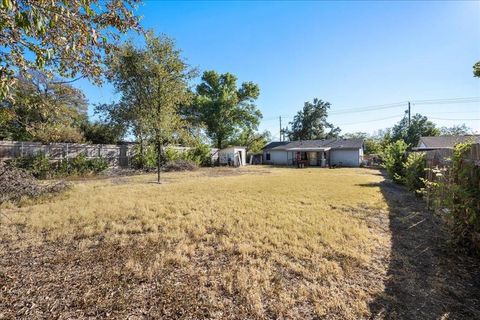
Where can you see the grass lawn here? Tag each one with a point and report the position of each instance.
(255, 242)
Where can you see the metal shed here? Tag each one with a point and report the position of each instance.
(234, 156)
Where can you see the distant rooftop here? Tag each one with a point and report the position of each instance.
(326, 143)
(445, 142)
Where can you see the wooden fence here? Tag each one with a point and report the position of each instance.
(116, 155)
(441, 158)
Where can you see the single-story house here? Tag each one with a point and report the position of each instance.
(323, 153)
(444, 142)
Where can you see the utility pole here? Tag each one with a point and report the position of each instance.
(280, 118)
(409, 117)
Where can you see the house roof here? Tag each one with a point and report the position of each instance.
(445, 142)
(316, 144)
(275, 144)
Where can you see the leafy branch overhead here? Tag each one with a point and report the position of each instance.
(66, 38)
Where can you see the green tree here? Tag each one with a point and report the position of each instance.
(43, 110)
(153, 82)
(476, 69)
(102, 132)
(456, 130)
(419, 126)
(414, 168)
(67, 38)
(225, 109)
(252, 140)
(310, 123)
(394, 157)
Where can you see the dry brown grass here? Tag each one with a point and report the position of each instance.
(255, 242)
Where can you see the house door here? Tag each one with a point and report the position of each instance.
(312, 158)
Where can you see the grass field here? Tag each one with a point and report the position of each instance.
(255, 242)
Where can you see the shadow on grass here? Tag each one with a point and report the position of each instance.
(426, 278)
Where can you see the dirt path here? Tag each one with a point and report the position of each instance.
(426, 278)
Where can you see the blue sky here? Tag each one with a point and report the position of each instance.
(351, 54)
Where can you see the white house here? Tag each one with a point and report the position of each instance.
(323, 153)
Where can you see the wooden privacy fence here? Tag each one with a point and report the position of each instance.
(116, 155)
(441, 158)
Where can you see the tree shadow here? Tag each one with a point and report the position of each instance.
(426, 278)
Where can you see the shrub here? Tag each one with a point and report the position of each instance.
(41, 167)
(147, 160)
(201, 155)
(414, 170)
(180, 165)
(38, 165)
(464, 197)
(393, 158)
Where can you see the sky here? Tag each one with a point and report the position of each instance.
(351, 54)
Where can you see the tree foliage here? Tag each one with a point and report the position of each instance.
(310, 123)
(476, 69)
(67, 38)
(410, 134)
(456, 130)
(153, 82)
(102, 132)
(225, 109)
(394, 156)
(252, 140)
(43, 110)
(414, 168)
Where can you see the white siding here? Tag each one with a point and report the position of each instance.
(278, 157)
(346, 158)
(232, 153)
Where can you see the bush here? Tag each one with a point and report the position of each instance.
(201, 155)
(414, 170)
(38, 165)
(393, 158)
(147, 160)
(180, 165)
(464, 198)
(41, 167)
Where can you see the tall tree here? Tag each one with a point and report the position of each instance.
(410, 134)
(311, 123)
(223, 108)
(153, 82)
(455, 130)
(67, 38)
(476, 69)
(252, 140)
(43, 110)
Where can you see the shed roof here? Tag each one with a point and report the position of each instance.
(316, 144)
(445, 142)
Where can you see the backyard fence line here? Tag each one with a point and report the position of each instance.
(117, 155)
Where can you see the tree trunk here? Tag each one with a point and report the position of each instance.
(159, 160)
(142, 158)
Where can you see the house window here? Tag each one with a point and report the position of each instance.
(267, 156)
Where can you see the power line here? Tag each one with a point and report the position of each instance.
(468, 119)
(448, 100)
(380, 119)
